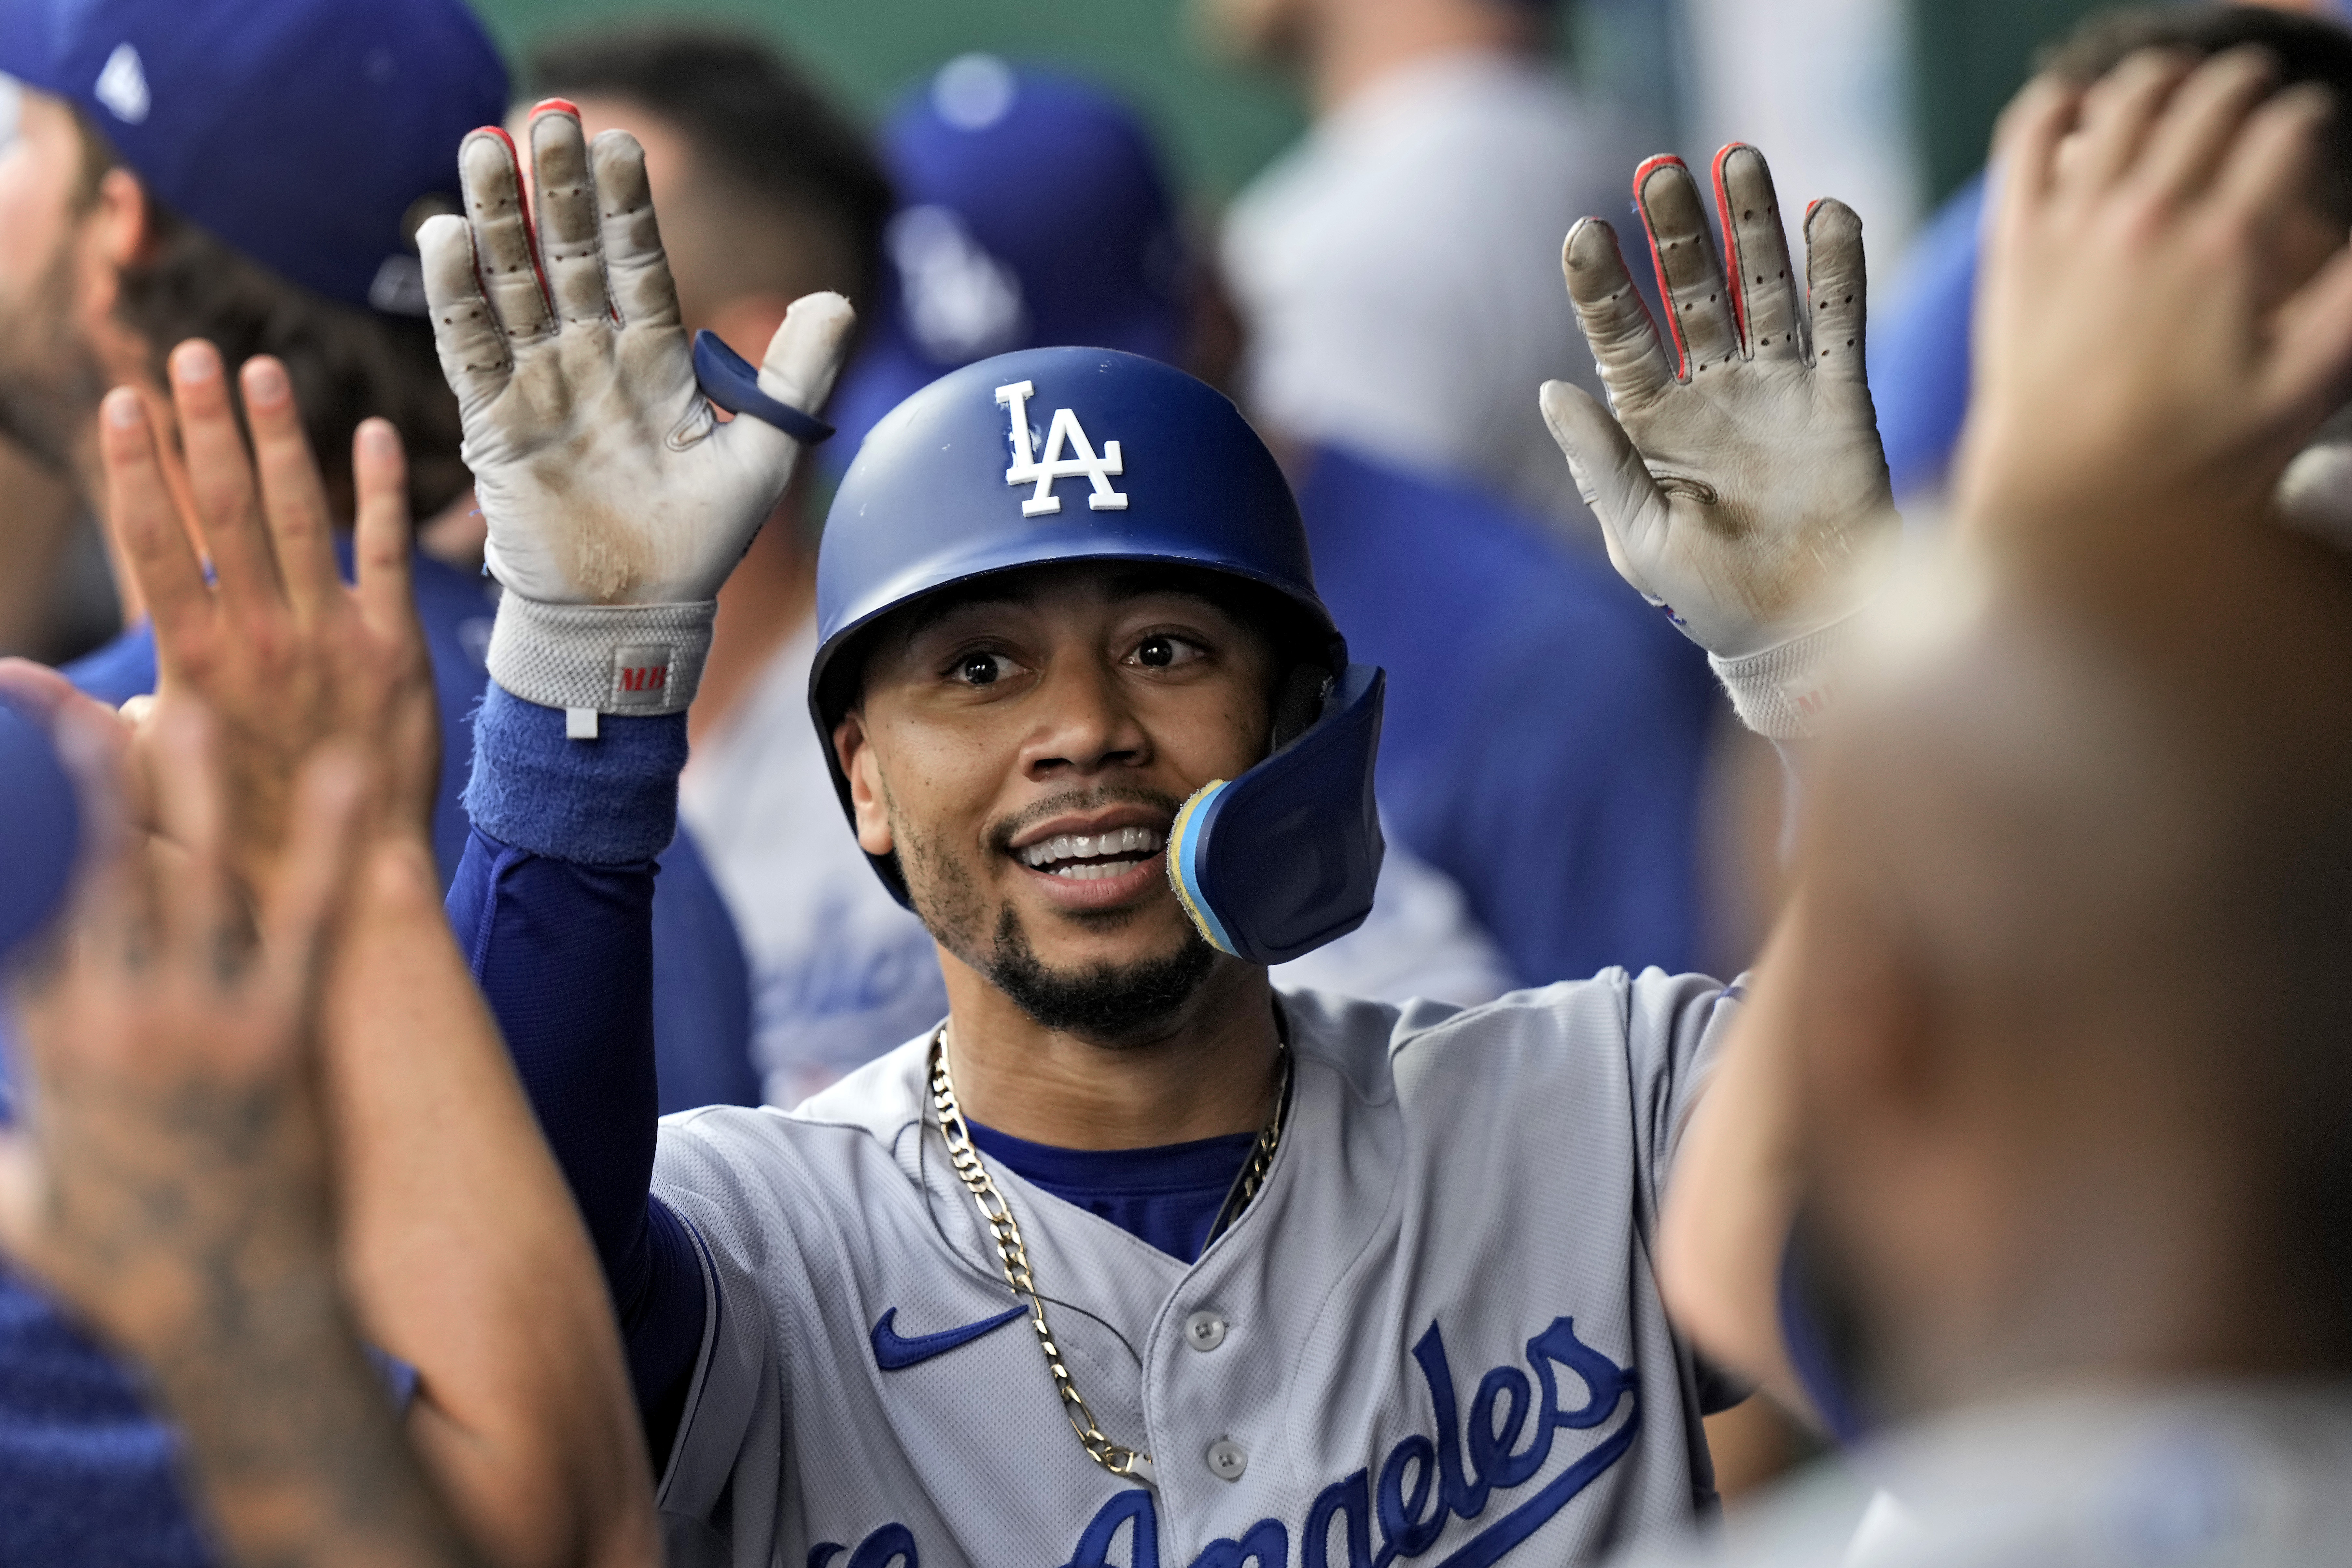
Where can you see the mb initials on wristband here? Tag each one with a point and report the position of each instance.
(639, 660)
(1784, 692)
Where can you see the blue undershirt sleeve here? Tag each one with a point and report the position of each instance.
(553, 906)
(1822, 1371)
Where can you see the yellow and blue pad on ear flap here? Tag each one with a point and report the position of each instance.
(1183, 847)
(1286, 857)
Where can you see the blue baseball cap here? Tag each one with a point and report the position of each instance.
(1034, 212)
(314, 136)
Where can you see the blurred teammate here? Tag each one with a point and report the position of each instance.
(234, 1159)
(1392, 271)
(143, 218)
(254, 176)
(61, 604)
(2047, 1068)
(1033, 208)
(140, 1036)
(1546, 735)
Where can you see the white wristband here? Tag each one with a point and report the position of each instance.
(1784, 691)
(634, 660)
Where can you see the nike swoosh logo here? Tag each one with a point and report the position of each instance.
(894, 1352)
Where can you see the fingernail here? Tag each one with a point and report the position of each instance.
(122, 410)
(377, 440)
(194, 362)
(265, 381)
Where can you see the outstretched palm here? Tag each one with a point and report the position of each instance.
(1741, 475)
(603, 473)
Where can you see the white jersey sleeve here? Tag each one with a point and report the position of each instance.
(1434, 1334)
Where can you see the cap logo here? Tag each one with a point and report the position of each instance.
(962, 303)
(1066, 434)
(122, 86)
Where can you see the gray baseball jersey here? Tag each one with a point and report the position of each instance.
(1433, 1335)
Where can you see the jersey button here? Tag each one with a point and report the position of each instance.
(1204, 1331)
(1227, 1460)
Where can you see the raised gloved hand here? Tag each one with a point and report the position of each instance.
(617, 500)
(1741, 484)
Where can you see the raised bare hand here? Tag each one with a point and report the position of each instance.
(2160, 323)
(274, 646)
(171, 1181)
(172, 1132)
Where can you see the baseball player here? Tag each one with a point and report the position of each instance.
(1133, 1259)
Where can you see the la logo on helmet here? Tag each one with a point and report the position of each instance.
(1065, 436)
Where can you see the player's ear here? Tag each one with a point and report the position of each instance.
(867, 794)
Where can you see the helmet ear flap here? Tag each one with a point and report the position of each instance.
(1299, 702)
(1286, 857)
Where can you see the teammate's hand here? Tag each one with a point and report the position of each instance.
(1741, 477)
(274, 646)
(172, 1152)
(2165, 314)
(606, 476)
(172, 1179)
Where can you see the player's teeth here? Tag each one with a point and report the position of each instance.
(1094, 870)
(1083, 846)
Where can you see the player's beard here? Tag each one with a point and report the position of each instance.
(1109, 1003)
(50, 381)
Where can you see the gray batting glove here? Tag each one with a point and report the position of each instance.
(1741, 485)
(617, 500)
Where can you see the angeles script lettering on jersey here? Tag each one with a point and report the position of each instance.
(1424, 1483)
(1066, 433)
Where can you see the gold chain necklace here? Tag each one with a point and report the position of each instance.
(1120, 1461)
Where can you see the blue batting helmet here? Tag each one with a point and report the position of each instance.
(1064, 455)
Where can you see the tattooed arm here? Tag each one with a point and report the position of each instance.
(465, 1256)
(169, 1179)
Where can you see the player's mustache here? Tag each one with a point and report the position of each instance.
(1001, 834)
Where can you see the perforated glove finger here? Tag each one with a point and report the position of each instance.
(570, 242)
(1634, 365)
(1691, 279)
(1764, 286)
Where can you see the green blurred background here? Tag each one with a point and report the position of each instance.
(1221, 121)
(1224, 121)
(1967, 57)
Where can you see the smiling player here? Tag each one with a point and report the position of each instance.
(1304, 1279)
